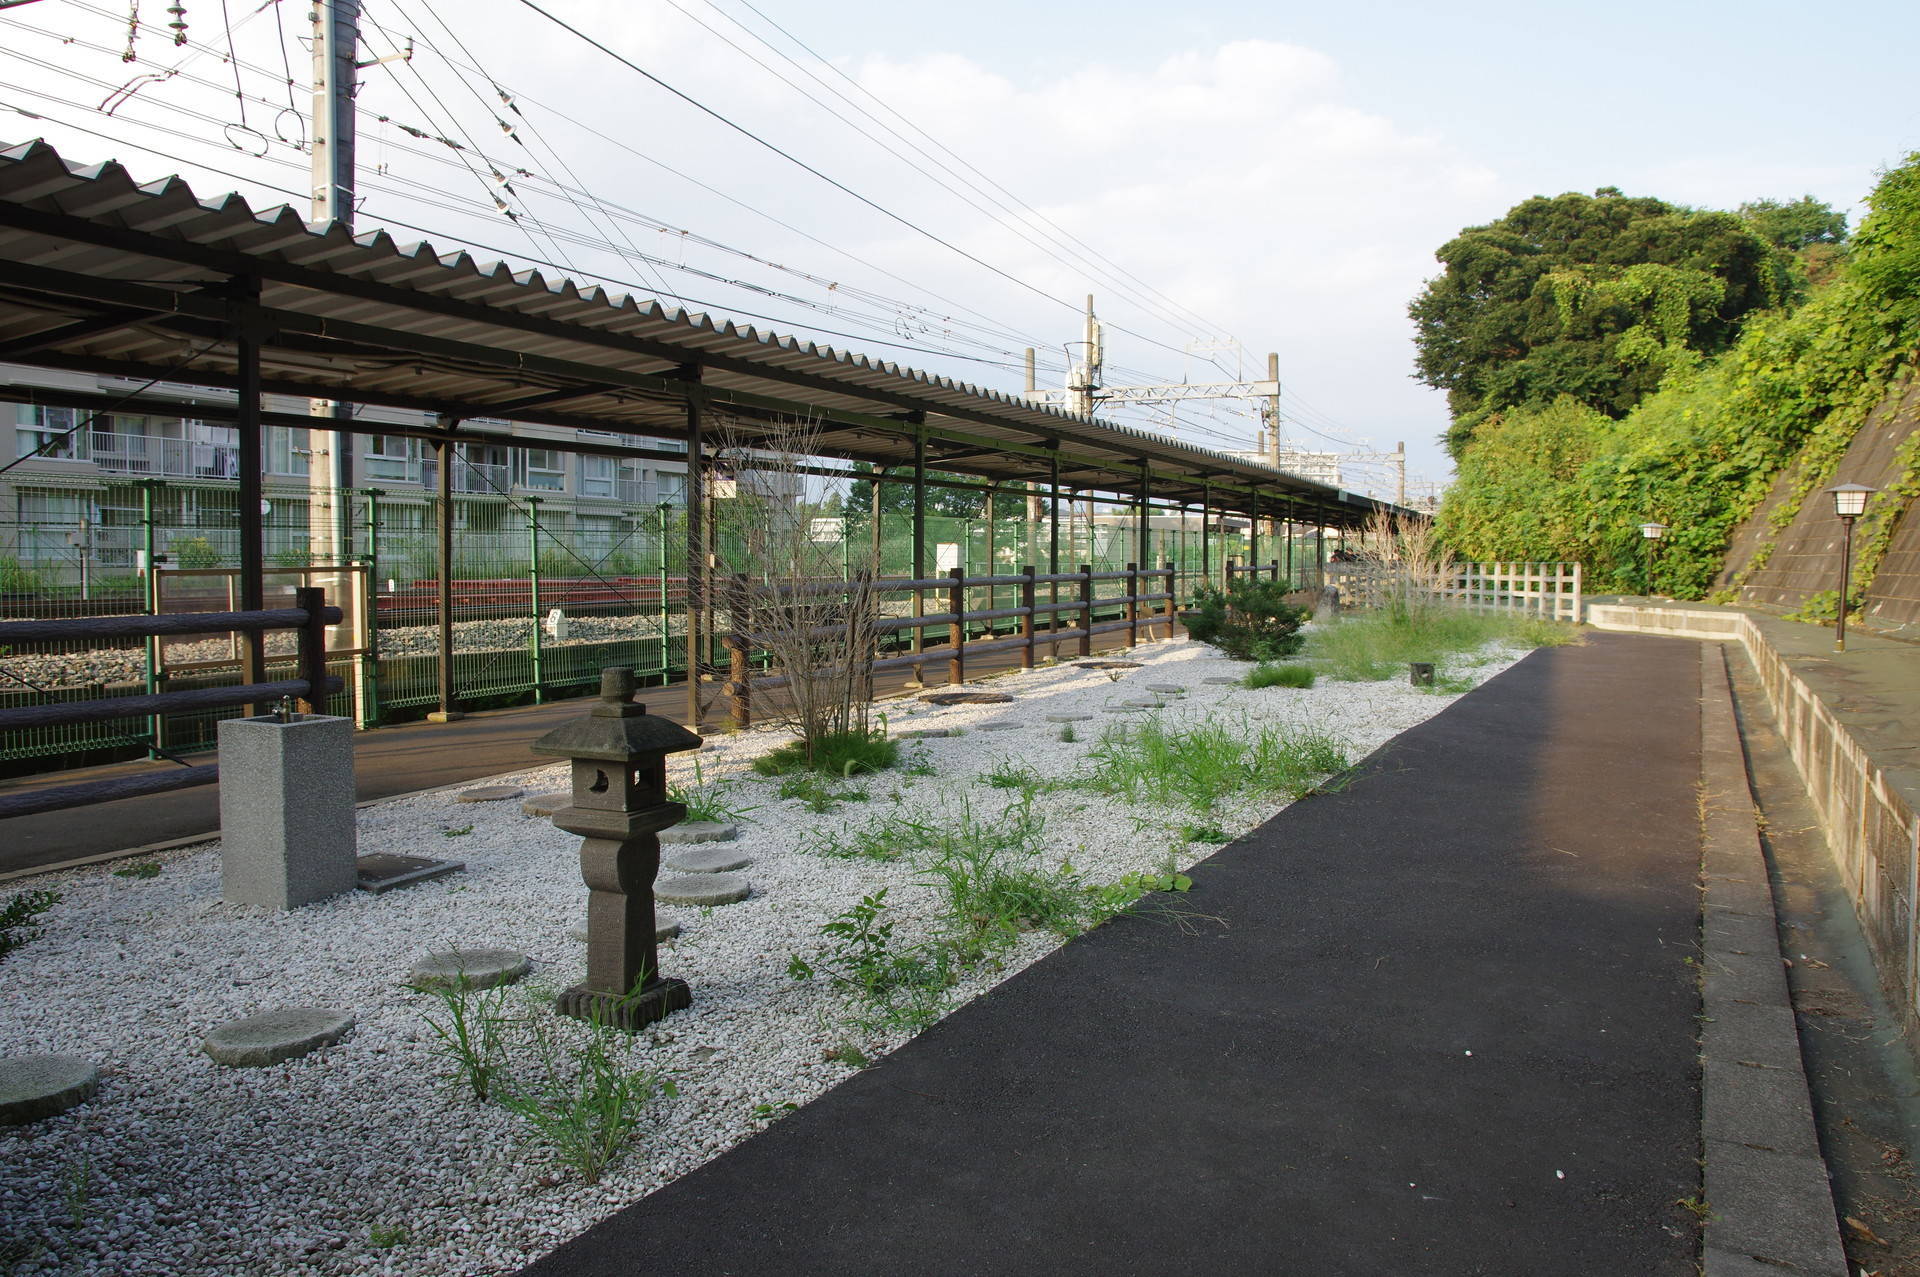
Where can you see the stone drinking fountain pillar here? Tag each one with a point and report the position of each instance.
(619, 805)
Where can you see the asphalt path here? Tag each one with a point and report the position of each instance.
(1447, 1027)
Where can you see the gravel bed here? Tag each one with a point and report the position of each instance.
(180, 1165)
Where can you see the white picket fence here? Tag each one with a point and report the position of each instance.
(1551, 590)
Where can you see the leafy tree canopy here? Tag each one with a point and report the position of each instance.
(1593, 297)
(1795, 224)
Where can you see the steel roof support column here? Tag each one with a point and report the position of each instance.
(1253, 534)
(1143, 523)
(696, 497)
(449, 710)
(248, 333)
(1206, 543)
(919, 535)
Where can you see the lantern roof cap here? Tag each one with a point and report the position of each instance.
(616, 729)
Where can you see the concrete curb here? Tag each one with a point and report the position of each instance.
(1769, 1201)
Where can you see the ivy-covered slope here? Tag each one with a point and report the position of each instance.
(1742, 439)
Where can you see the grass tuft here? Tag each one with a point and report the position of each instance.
(1288, 675)
(1199, 766)
(835, 754)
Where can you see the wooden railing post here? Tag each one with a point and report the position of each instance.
(1028, 600)
(1171, 606)
(739, 682)
(1086, 609)
(313, 646)
(957, 604)
(1133, 605)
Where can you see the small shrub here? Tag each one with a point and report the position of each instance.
(1249, 620)
(1265, 675)
(833, 754)
(195, 552)
(1067, 735)
(17, 915)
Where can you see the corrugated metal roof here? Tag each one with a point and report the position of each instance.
(371, 319)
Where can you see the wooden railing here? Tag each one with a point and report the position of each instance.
(310, 617)
(1036, 623)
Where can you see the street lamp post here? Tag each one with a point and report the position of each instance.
(1849, 503)
(1650, 533)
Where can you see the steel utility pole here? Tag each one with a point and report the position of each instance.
(336, 36)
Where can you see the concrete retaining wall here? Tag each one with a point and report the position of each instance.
(1869, 819)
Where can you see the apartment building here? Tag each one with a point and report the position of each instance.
(75, 505)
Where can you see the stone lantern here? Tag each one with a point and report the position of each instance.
(619, 805)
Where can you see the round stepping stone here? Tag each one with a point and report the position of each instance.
(273, 1036)
(39, 1086)
(1107, 665)
(662, 932)
(924, 733)
(967, 698)
(1221, 682)
(1169, 689)
(1144, 704)
(1068, 718)
(1128, 708)
(702, 889)
(707, 860)
(1001, 727)
(700, 831)
(471, 968)
(546, 804)
(488, 794)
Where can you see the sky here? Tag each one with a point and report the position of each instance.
(1276, 174)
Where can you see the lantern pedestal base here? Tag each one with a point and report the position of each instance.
(626, 1011)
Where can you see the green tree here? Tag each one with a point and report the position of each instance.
(1795, 224)
(1594, 297)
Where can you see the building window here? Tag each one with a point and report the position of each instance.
(596, 476)
(390, 457)
(542, 469)
(50, 433)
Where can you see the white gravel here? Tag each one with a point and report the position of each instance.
(182, 1166)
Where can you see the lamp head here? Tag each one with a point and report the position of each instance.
(1653, 531)
(1850, 499)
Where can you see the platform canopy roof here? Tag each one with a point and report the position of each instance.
(150, 282)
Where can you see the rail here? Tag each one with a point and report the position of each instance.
(1038, 624)
(310, 617)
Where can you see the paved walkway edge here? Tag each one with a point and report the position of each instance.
(1769, 1200)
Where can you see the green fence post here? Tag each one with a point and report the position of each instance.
(370, 600)
(533, 593)
(156, 724)
(666, 616)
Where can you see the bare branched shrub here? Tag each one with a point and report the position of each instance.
(809, 603)
(1406, 565)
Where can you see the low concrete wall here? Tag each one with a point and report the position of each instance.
(1868, 815)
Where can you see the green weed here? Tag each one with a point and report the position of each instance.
(707, 802)
(461, 832)
(139, 869)
(1205, 833)
(387, 1236)
(471, 1033)
(17, 915)
(892, 987)
(1067, 735)
(1379, 645)
(578, 1097)
(819, 796)
(1199, 766)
